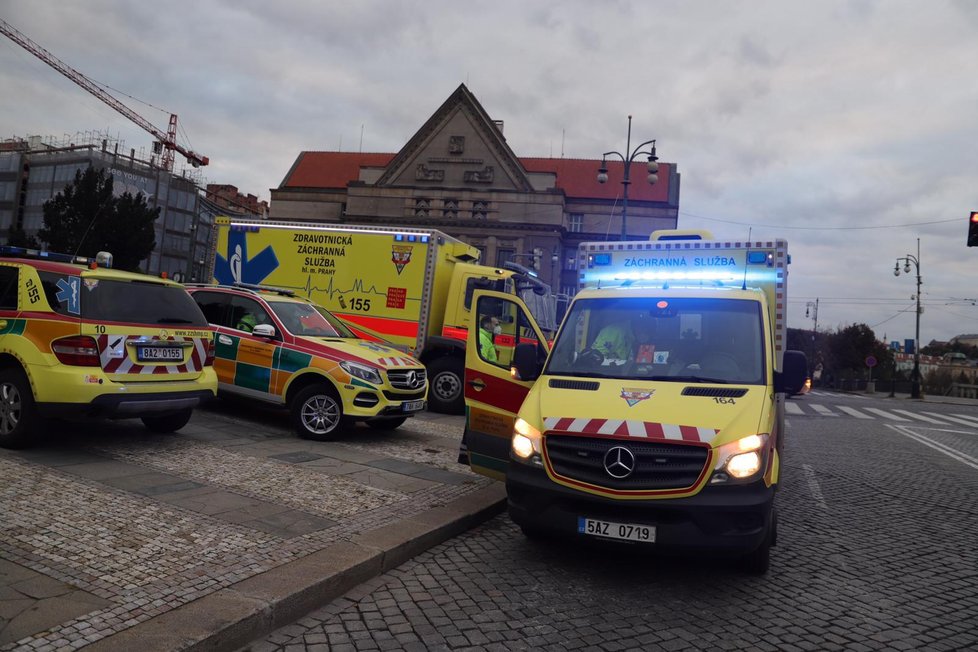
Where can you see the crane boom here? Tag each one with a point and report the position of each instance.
(167, 139)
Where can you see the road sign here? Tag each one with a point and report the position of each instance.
(870, 361)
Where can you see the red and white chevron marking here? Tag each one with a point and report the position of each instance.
(630, 428)
(397, 362)
(115, 364)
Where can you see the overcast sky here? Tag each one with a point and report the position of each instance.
(848, 128)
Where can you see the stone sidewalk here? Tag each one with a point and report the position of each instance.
(112, 537)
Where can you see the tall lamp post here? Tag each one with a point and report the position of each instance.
(627, 158)
(910, 258)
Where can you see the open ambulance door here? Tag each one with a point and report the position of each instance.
(493, 394)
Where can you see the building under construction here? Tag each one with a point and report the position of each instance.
(35, 169)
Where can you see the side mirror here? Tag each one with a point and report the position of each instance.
(263, 330)
(793, 372)
(526, 366)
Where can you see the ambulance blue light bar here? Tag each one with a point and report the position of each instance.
(410, 237)
(9, 251)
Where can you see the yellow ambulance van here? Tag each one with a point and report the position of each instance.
(657, 416)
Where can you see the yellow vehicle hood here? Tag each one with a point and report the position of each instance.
(675, 411)
(356, 350)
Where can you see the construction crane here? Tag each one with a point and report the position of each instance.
(166, 142)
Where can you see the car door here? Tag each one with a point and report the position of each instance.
(253, 355)
(493, 395)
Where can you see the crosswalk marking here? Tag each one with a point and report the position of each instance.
(970, 418)
(894, 414)
(824, 411)
(853, 412)
(885, 414)
(956, 419)
(921, 417)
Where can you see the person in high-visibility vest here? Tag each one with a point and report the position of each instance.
(486, 348)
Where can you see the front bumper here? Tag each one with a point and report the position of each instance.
(382, 403)
(719, 520)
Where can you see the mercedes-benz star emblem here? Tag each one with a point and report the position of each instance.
(619, 462)
(411, 380)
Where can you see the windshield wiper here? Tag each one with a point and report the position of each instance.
(173, 320)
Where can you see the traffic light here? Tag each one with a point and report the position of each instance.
(973, 230)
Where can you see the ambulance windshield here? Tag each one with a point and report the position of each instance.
(670, 339)
(308, 320)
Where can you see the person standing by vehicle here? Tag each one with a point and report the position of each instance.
(486, 347)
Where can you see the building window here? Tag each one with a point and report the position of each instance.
(503, 256)
(450, 208)
(480, 210)
(422, 207)
(575, 222)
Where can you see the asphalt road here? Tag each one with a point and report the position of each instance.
(877, 550)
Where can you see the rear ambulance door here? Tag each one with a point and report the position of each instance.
(492, 395)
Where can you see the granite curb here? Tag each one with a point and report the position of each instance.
(236, 615)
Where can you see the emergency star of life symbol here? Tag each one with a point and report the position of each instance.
(400, 256)
(635, 396)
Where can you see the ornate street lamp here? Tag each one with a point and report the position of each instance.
(626, 159)
(909, 258)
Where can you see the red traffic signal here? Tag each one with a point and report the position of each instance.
(973, 230)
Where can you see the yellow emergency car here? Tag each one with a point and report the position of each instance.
(78, 339)
(657, 417)
(285, 350)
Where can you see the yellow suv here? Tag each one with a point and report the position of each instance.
(281, 349)
(78, 339)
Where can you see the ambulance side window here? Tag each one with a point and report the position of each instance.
(214, 306)
(247, 313)
(8, 288)
(502, 326)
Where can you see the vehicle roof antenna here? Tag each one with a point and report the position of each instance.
(747, 257)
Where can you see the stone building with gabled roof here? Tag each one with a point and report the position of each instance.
(459, 174)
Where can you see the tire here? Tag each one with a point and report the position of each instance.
(19, 419)
(168, 422)
(759, 561)
(445, 383)
(317, 413)
(386, 424)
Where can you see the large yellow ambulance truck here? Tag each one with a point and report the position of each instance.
(657, 417)
(410, 287)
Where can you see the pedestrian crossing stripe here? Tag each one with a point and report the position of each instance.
(897, 415)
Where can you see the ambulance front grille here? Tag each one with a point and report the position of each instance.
(658, 465)
(408, 379)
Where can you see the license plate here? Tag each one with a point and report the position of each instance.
(610, 530)
(412, 406)
(158, 353)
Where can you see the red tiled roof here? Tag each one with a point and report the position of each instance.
(331, 169)
(576, 177)
(579, 178)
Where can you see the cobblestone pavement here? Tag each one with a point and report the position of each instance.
(877, 551)
(104, 526)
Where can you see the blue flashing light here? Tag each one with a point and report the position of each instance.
(601, 259)
(398, 237)
(424, 239)
(706, 276)
(412, 238)
(757, 257)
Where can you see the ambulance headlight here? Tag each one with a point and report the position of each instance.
(739, 460)
(527, 444)
(362, 371)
